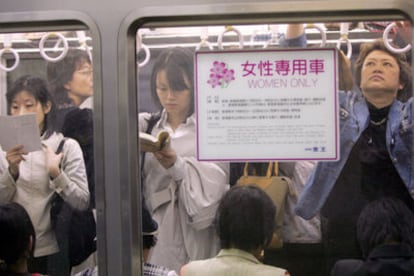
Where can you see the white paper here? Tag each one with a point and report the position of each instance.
(20, 130)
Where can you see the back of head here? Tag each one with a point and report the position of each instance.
(245, 218)
(16, 230)
(384, 221)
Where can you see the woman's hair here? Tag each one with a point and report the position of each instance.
(386, 220)
(38, 88)
(148, 241)
(178, 65)
(405, 68)
(60, 73)
(245, 218)
(149, 228)
(16, 229)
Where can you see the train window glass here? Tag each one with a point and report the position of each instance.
(50, 75)
(347, 36)
(367, 171)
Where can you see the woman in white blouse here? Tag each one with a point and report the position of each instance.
(181, 192)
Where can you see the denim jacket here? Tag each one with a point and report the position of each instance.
(354, 119)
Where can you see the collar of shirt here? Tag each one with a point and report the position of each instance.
(233, 252)
(162, 123)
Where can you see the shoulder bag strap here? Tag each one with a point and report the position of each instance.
(271, 165)
(275, 167)
(60, 146)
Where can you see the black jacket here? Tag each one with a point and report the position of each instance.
(384, 260)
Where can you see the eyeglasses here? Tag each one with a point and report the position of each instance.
(85, 72)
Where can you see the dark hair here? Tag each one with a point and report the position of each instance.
(149, 227)
(405, 68)
(245, 218)
(382, 221)
(178, 64)
(16, 228)
(59, 73)
(37, 87)
(148, 241)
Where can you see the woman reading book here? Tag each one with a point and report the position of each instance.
(181, 192)
(32, 179)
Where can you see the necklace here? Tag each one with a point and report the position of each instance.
(383, 120)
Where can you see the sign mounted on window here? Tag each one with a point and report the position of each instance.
(267, 104)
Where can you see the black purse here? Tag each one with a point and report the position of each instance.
(75, 229)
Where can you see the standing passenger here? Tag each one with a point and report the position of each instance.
(71, 80)
(376, 149)
(71, 84)
(149, 239)
(32, 179)
(182, 193)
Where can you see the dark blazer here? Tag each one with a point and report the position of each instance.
(77, 123)
(384, 260)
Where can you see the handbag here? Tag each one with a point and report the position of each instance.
(277, 187)
(75, 229)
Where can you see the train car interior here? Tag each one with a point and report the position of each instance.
(122, 51)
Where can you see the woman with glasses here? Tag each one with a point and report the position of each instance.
(71, 84)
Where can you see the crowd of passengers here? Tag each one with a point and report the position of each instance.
(353, 216)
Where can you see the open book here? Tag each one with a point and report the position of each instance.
(150, 143)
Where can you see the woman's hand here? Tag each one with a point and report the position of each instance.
(52, 162)
(405, 30)
(14, 156)
(167, 155)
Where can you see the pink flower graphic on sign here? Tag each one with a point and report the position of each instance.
(218, 68)
(220, 75)
(214, 80)
(228, 75)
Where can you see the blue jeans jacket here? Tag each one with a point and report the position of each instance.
(354, 119)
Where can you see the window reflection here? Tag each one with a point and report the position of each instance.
(302, 235)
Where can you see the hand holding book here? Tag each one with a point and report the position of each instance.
(149, 143)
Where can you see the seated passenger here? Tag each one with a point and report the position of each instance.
(149, 231)
(149, 239)
(17, 239)
(385, 233)
(244, 223)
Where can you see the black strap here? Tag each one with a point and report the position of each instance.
(59, 150)
(60, 146)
